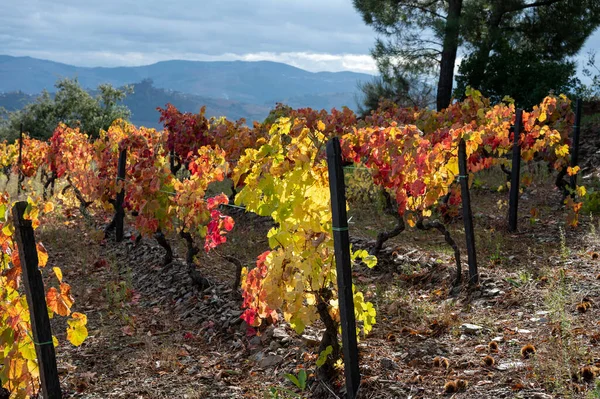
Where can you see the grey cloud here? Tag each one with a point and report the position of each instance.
(136, 32)
(203, 27)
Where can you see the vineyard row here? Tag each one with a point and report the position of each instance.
(277, 169)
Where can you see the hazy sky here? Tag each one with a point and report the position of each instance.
(316, 35)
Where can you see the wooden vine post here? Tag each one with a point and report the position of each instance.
(515, 174)
(467, 213)
(20, 174)
(341, 241)
(172, 160)
(34, 292)
(575, 145)
(119, 212)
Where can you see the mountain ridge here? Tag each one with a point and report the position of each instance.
(246, 84)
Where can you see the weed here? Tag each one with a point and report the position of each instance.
(591, 202)
(280, 393)
(299, 381)
(559, 364)
(565, 252)
(592, 226)
(118, 292)
(523, 278)
(594, 393)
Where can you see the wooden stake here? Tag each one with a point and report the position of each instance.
(36, 300)
(20, 174)
(467, 213)
(515, 174)
(341, 240)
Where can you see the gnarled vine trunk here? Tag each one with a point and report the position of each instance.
(383, 236)
(436, 224)
(330, 338)
(192, 251)
(162, 241)
(83, 204)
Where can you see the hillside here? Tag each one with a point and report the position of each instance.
(146, 98)
(15, 100)
(233, 88)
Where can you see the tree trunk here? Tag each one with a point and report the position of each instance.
(482, 55)
(451, 34)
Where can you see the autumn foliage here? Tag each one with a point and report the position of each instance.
(19, 371)
(279, 170)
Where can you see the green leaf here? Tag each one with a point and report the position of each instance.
(302, 378)
(293, 379)
(8, 229)
(370, 261)
(323, 356)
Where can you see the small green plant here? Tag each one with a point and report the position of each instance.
(280, 393)
(496, 257)
(594, 393)
(523, 278)
(299, 381)
(534, 216)
(564, 250)
(323, 356)
(591, 202)
(562, 362)
(117, 293)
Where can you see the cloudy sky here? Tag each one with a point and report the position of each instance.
(317, 35)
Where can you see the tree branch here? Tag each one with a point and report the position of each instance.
(534, 4)
(423, 8)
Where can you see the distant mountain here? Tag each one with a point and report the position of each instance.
(146, 98)
(234, 87)
(15, 100)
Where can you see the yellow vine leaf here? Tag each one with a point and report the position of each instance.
(58, 273)
(452, 166)
(8, 229)
(411, 219)
(77, 332)
(571, 171)
(542, 116)
(562, 150)
(42, 254)
(48, 207)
